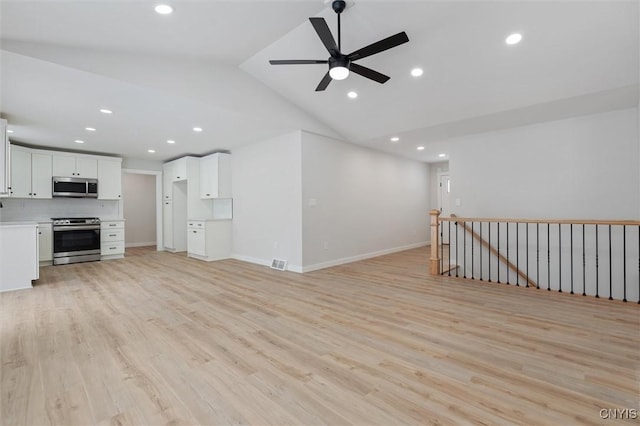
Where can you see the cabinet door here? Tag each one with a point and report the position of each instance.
(167, 181)
(5, 159)
(20, 172)
(179, 170)
(63, 165)
(167, 220)
(109, 180)
(41, 175)
(46, 243)
(196, 241)
(87, 168)
(209, 176)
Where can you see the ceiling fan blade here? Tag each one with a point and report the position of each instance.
(369, 73)
(324, 82)
(321, 27)
(297, 61)
(379, 46)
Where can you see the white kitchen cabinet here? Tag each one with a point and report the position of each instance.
(110, 179)
(30, 173)
(5, 160)
(45, 237)
(215, 176)
(209, 239)
(173, 171)
(18, 255)
(20, 172)
(75, 166)
(41, 175)
(167, 221)
(112, 239)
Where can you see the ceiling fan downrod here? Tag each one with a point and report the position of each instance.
(339, 6)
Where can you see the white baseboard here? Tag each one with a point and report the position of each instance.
(364, 256)
(152, 243)
(330, 263)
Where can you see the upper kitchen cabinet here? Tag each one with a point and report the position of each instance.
(5, 175)
(173, 171)
(110, 179)
(30, 173)
(69, 166)
(215, 176)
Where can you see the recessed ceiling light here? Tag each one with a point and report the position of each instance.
(352, 95)
(171, 141)
(9, 131)
(163, 9)
(417, 72)
(197, 129)
(151, 151)
(78, 141)
(513, 39)
(90, 129)
(394, 139)
(420, 148)
(106, 111)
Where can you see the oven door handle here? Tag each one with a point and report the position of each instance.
(76, 228)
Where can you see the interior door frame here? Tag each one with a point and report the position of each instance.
(158, 175)
(439, 189)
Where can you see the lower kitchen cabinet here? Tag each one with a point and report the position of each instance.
(112, 239)
(45, 249)
(209, 239)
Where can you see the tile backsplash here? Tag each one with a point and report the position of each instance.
(41, 210)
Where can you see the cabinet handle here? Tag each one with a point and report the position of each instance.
(118, 196)
(34, 194)
(195, 232)
(208, 195)
(40, 233)
(112, 224)
(178, 177)
(113, 235)
(112, 248)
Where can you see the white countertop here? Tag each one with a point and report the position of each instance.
(18, 224)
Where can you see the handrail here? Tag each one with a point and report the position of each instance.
(594, 257)
(529, 281)
(455, 218)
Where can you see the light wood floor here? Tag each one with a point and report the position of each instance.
(158, 338)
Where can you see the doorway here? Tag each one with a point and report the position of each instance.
(142, 207)
(444, 194)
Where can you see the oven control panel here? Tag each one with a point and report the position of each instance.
(76, 221)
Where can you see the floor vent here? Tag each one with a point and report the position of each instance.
(279, 264)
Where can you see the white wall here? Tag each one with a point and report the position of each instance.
(139, 203)
(366, 202)
(579, 168)
(267, 220)
(43, 210)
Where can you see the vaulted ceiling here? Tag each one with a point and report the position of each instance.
(206, 65)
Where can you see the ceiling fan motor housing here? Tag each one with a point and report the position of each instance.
(339, 61)
(339, 5)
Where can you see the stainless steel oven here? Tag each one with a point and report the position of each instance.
(76, 240)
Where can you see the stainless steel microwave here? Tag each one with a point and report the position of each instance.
(75, 187)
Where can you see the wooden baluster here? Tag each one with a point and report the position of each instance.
(434, 268)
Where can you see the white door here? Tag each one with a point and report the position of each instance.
(167, 218)
(444, 193)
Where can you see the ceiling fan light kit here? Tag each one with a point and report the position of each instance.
(340, 64)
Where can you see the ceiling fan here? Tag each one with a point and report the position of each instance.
(339, 63)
